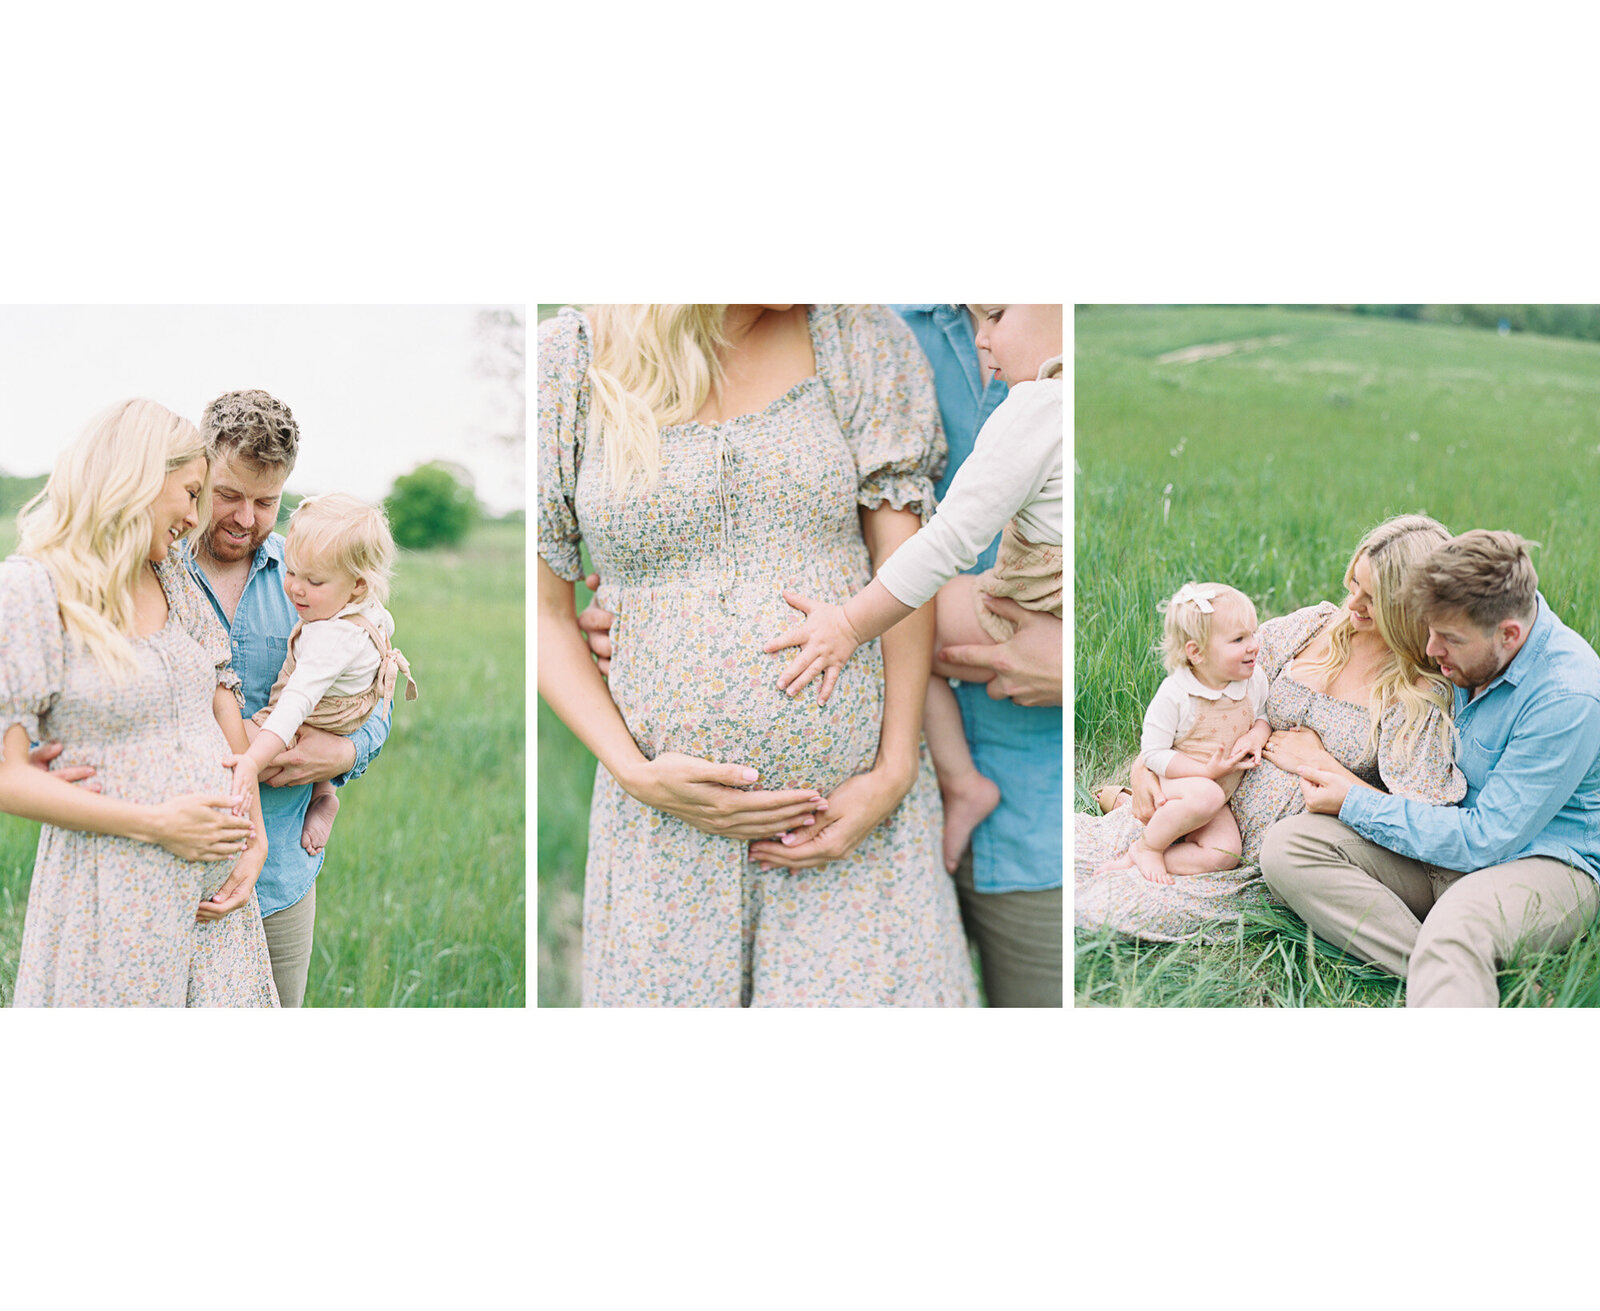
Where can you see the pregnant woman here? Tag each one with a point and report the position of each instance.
(142, 895)
(1353, 681)
(745, 848)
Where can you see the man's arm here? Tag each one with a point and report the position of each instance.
(1551, 748)
(1028, 667)
(318, 756)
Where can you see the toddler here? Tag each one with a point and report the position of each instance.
(1203, 729)
(1013, 482)
(337, 561)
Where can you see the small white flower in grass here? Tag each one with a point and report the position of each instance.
(1178, 449)
(1166, 503)
(1413, 437)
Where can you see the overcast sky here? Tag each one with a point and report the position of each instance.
(376, 390)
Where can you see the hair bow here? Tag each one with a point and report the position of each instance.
(1200, 600)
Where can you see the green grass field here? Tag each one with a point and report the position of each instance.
(566, 779)
(1262, 466)
(422, 900)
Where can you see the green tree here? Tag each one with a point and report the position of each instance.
(433, 505)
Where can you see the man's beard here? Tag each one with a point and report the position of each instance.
(225, 550)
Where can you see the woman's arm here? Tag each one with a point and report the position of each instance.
(236, 890)
(715, 798)
(860, 804)
(194, 826)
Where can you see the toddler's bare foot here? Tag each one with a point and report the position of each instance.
(967, 803)
(319, 820)
(1150, 863)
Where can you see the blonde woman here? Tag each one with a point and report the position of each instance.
(1350, 685)
(143, 893)
(745, 848)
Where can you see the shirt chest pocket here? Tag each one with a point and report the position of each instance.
(1482, 745)
(257, 659)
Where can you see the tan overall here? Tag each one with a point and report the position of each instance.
(1028, 573)
(344, 714)
(1217, 723)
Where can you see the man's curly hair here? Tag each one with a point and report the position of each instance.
(254, 426)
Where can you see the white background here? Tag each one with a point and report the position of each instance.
(499, 154)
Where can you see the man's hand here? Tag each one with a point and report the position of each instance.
(41, 756)
(316, 757)
(1325, 789)
(596, 625)
(1147, 793)
(1028, 667)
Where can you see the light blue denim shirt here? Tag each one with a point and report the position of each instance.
(1019, 846)
(1530, 750)
(259, 635)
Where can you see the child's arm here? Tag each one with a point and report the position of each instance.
(1246, 754)
(831, 633)
(236, 890)
(248, 764)
(1247, 750)
(1010, 462)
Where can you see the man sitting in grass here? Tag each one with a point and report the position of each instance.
(1443, 895)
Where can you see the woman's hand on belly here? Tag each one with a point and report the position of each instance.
(41, 756)
(855, 808)
(716, 798)
(236, 891)
(1298, 749)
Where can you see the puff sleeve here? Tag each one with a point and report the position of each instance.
(201, 623)
(32, 645)
(1282, 639)
(563, 421)
(883, 397)
(1421, 767)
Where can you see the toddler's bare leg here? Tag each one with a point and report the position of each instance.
(969, 797)
(319, 817)
(1191, 802)
(1209, 849)
(956, 624)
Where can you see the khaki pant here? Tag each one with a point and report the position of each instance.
(1018, 937)
(1444, 932)
(289, 944)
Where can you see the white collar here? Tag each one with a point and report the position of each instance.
(1235, 691)
(365, 607)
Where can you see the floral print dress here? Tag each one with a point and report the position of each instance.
(693, 570)
(110, 920)
(1198, 905)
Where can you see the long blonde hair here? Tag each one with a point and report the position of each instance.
(653, 366)
(1405, 677)
(92, 524)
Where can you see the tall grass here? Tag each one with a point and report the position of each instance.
(1262, 468)
(422, 898)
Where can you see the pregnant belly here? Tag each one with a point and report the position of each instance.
(690, 676)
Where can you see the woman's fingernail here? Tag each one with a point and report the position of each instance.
(750, 776)
(808, 820)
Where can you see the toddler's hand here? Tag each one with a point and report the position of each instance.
(244, 780)
(826, 641)
(1246, 754)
